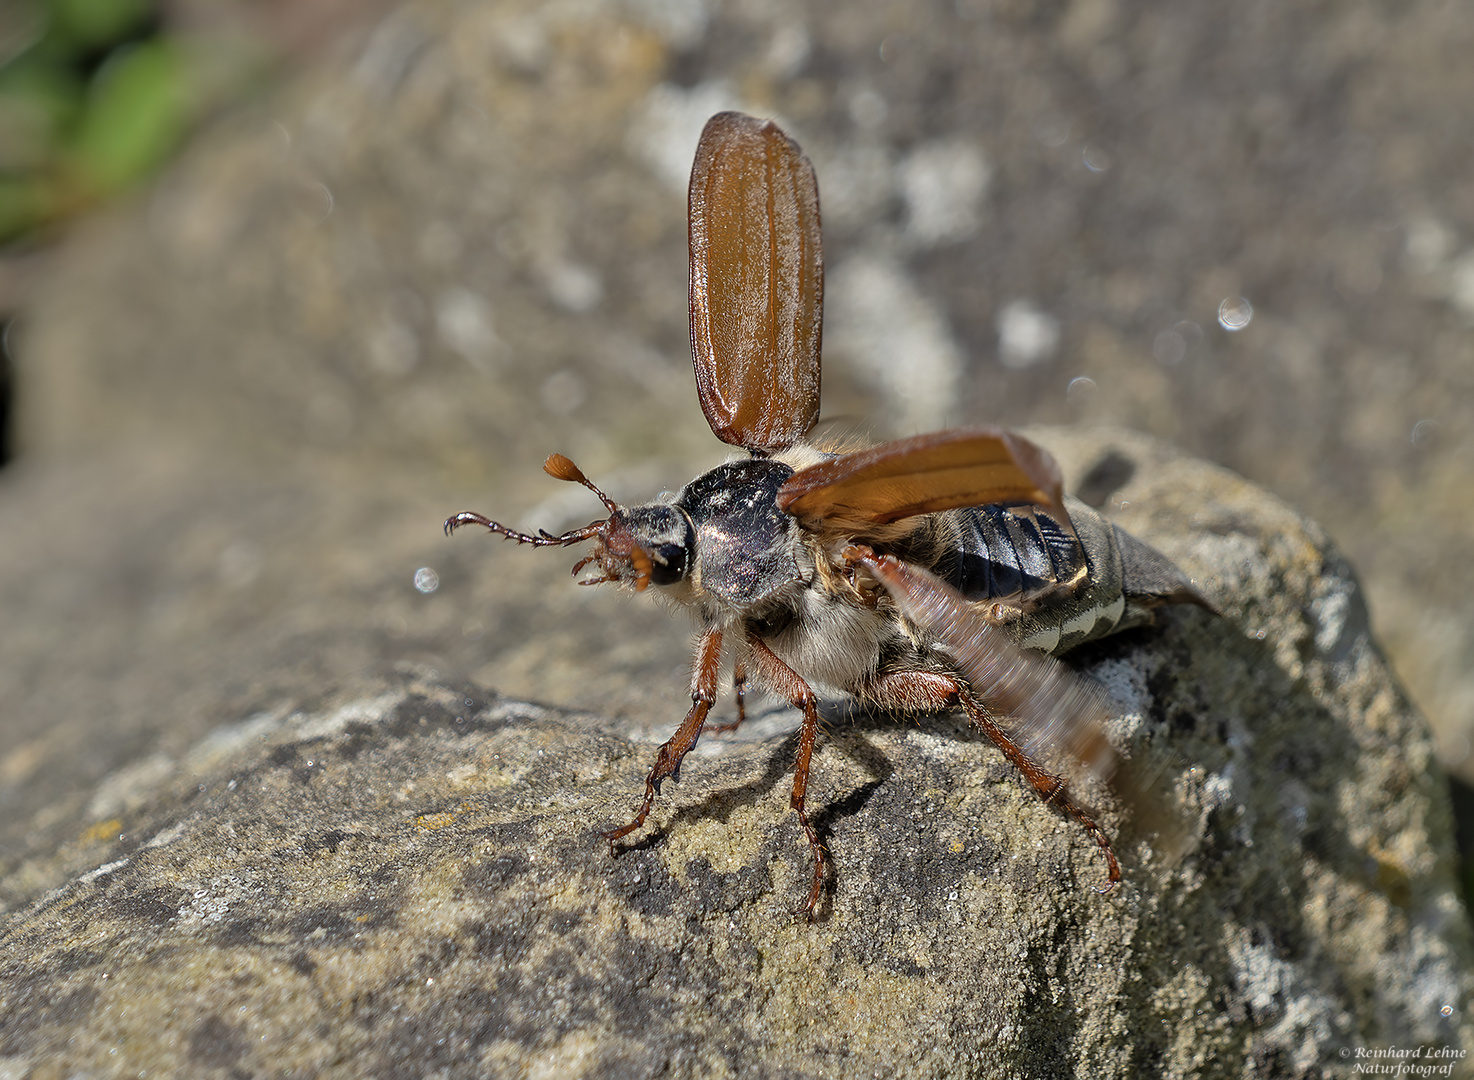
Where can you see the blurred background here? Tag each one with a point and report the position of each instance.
(284, 283)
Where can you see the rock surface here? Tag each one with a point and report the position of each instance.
(403, 877)
(260, 811)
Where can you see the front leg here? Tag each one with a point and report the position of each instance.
(673, 750)
(790, 684)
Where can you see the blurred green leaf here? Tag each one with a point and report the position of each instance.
(39, 103)
(136, 111)
(94, 23)
(94, 95)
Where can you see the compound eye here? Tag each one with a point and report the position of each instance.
(663, 534)
(667, 563)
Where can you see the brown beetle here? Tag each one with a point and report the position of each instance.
(924, 574)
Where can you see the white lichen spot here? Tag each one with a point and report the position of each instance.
(1330, 612)
(898, 339)
(788, 49)
(165, 837)
(464, 324)
(1461, 284)
(943, 183)
(668, 126)
(1428, 245)
(1026, 335)
(859, 181)
(681, 23)
(130, 786)
(1295, 1018)
(572, 286)
(225, 741)
(102, 871)
(365, 711)
(1218, 788)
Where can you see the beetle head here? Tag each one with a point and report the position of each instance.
(644, 545)
(638, 545)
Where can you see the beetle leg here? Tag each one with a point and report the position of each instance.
(1051, 788)
(791, 685)
(673, 750)
(922, 691)
(739, 684)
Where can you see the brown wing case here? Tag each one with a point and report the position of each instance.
(757, 283)
(944, 470)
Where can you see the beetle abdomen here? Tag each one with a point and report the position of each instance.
(1018, 555)
(1091, 583)
(1005, 552)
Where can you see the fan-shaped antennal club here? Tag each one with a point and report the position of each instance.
(561, 468)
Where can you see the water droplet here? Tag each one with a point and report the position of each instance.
(239, 564)
(426, 580)
(1235, 313)
(316, 201)
(563, 392)
(1052, 130)
(1423, 433)
(1095, 159)
(1169, 348)
(1081, 391)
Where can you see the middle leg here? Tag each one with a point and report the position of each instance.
(739, 685)
(791, 685)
